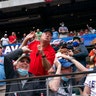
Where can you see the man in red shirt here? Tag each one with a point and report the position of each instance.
(42, 55)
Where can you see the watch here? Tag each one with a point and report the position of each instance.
(43, 56)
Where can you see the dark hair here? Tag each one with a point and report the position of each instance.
(64, 45)
(77, 38)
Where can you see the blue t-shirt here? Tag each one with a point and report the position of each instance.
(55, 35)
(2, 72)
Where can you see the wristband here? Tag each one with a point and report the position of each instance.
(43, 56)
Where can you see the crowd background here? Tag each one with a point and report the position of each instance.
(60, 32)
(74, 48)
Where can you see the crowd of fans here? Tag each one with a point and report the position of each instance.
(41, 58)
(61, 32)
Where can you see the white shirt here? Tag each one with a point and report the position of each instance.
(5, 41)
(91, 82)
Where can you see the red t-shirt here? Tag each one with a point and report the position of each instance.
(12, 38)
(36, 59)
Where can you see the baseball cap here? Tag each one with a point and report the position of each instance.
(48, 30)
(21, 57)
(65, 63)
(24, 56)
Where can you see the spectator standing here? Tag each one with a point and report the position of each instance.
(55, 34)
(13, 38)
(81, 32)
(86, 31)
(42, 55)
(24, 35)
(5, 40)
(38, 34)
(71, 33)
(63, 30)
(91, 30)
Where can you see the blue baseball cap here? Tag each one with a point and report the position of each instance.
(65, 63)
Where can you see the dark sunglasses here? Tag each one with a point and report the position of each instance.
(24, 61)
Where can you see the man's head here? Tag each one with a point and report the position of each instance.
(5, 35)
(62, 24)
(22, 65)
(76, 41)
(13, 33)
(76, 38)
(38, 30)
(46, 35)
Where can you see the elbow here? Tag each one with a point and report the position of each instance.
(85, 94)
(54, 89)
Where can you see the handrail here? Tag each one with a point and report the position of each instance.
(46, 76)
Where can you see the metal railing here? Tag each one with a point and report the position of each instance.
(44, 79)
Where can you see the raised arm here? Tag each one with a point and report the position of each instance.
(74, 61)
(45, 63)
(55, 82)
(27, 38)
(14, 54)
